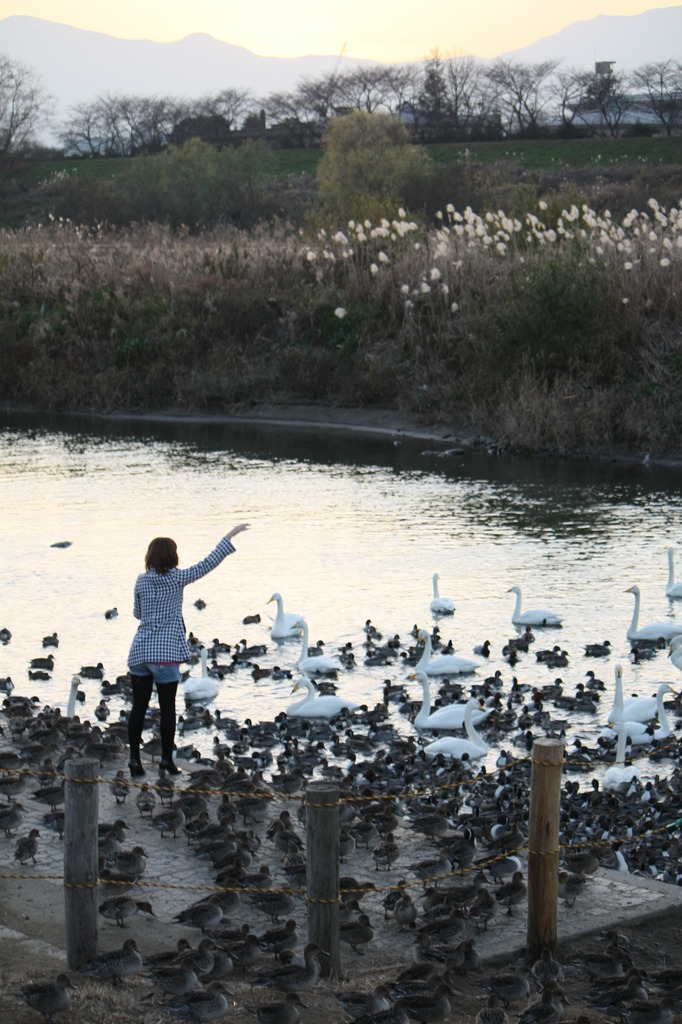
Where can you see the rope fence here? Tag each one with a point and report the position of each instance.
(322, 893)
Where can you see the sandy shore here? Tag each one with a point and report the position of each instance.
(389, 423)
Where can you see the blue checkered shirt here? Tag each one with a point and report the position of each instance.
(158, 605)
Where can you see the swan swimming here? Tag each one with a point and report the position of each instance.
(449, 717)
(442, 664)
(201, 689)
(534, 617)
(633, 709)
(672, 589)
(675, 652)
(474, 746)
(73, 693)
(315, 705)
(654, 630)
(662, 730)
(441, 605)
(313, 664)
(285, 625)
(618, 777)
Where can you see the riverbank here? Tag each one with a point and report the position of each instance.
(553, 336)
(395, 426)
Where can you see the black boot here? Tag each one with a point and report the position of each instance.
(142, 691)
(167, 692)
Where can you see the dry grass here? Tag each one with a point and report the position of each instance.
(559, 329)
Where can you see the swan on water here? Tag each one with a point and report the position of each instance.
(73, 694)
(534, 617)
(474, 746)
(672, 589)
(313, 664)
(448, 717)
(441, 605)
(652, 631)
(285, 624)
(633, 709)
(675, 651)
(619, 777)
(442, 664)
(662, 730)
(316, 705)
(636, 728)
(204, 688)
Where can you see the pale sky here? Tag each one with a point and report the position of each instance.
(381, 30)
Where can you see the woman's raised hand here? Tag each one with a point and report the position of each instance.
(237, 529)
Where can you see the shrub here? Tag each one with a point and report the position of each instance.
(367, 165)
(558, 314)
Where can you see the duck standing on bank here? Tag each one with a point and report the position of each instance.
(49, 997)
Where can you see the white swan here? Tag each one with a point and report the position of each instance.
(654, 630)
(285, 625)
(442, 664)
(535, 617)
(619, 777)
(662, 730)
(675, 651)
(474, 746)
(313, 664)
(633, 709)
(441, 605)
(447, 717)
(314, 705)
(204, 688)
(73, 693)
(672, 589)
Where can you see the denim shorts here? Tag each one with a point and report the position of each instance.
(160, 673)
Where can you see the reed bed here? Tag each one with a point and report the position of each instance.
(559, 330)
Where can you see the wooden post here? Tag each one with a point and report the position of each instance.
(543, 845)
(322, 860)
(81, 812)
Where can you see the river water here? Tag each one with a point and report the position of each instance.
(346, 528)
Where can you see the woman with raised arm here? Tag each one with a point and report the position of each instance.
(160, 643)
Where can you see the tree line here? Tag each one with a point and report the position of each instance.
(440, 100)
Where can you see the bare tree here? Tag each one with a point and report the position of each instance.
(522, 92)
(662, 83)
(232, 105)
(321, 97)
(409, 99)
(24, 106)
(294, 112)
(604, 101)
(121, 125)
(369, 88)
(157, 116)
(115, 138)
(82, 132)
(567, 91)
(469, 97)
(400, 87)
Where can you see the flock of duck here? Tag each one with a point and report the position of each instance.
(439, 817)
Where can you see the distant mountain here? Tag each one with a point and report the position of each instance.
(630, 41)
(76, 66)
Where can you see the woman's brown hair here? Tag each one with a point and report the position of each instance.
(162, 555)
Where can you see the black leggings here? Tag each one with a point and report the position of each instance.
(142, 692)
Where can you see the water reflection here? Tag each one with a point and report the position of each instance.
(346, 527)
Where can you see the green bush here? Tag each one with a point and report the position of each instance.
(558, 314)
(367, 165)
